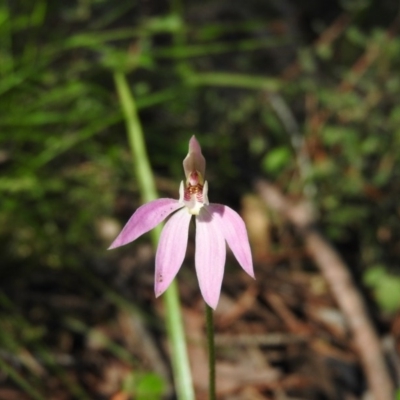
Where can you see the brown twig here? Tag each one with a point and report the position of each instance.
(342, 287)
(293, 323)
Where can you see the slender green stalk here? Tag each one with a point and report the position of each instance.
(145, 179)
(211, 352)
(227, 79)
(182, 51)
(180, 360)
(142, 167)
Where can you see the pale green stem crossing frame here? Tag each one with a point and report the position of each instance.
(145, 179)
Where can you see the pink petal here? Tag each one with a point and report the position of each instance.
(234, 231)
(195, 160)
(171, 250)
(144, 219)
(210, 257)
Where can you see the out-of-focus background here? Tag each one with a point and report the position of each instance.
(297, 97)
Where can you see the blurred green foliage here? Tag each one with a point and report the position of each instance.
(144, 386)
(386, 287)
(204, 69)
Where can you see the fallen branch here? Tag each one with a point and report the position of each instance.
(342, 287)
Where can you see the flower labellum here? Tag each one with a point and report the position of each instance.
(215, 225)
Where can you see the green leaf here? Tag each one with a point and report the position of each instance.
(356, 36)
(276, 159)
(385, 286)
(167, 23)
(148, 386)
(373, 275)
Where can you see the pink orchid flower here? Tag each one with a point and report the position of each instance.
(215, 224)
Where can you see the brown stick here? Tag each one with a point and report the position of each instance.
(342, 286)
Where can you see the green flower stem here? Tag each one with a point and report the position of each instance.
(211, 352)
(145, 179)
(142, 167)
